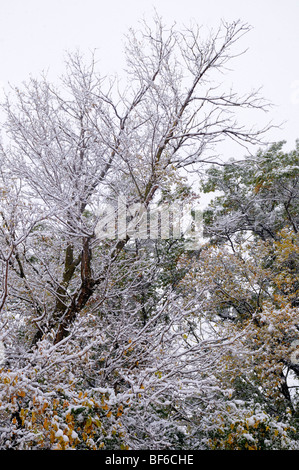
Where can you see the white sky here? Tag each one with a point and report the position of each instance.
(34, 35)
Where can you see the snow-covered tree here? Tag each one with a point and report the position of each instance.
(252, 266)
(108, 344)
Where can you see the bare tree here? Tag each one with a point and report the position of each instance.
(90, 140)
(95, 136)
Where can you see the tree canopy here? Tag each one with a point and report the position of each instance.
(143, 339)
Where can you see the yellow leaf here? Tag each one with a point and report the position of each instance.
(88, 422)
(119, 411)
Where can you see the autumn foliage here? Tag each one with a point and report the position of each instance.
(131, 342)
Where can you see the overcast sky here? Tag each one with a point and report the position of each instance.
(34, 35)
